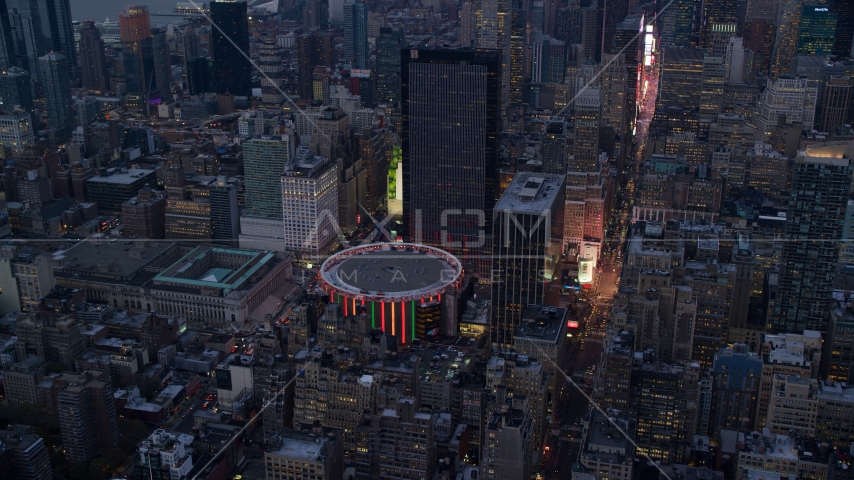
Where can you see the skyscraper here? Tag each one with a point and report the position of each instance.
(817, 205)
(450, 116)
(468, 19)
(313, 50)
(844, 27)
(388, 65)
(518, 55)
(47, 29)
(786, 41)
(356, 34)
(585, 153)
(225, 222)
(676, 22)
(615, 80)
(15, 90)
(232, 70)
(712, 88)
(93, 64)
(8, 54)
(162, 64)
(137, 51)
(681, 73)
(548, 59)
(87, 414)
(789, 99)
(55, 71)
(554, 154)
(817, 31)
(264, 161)
(835, 101)
(527, 233)
(196, 71)
(716, 14)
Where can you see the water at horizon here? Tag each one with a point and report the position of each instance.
(100, 10)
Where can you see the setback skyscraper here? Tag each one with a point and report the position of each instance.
(232, 70)
(820, 185)
(450, 105)
(93, 64)
(527, 232)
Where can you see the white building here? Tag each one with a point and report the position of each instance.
(164, 452)
(310, 204)
(16, 131)
(793, 97)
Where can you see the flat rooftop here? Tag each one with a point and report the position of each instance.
(122, 178)
(541, 323)
(531, 193)
(215, 267)
(107, 257)
(391, 269)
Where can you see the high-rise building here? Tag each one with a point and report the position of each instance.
(585, 152)
(554, 147)
(843, 44)
(309, 187)
(548, 57)
(450, 116)
(519, 44)
(15, 90)
(137, 52)
(55, 71)
(712, 88)
(144, 216)
(232, 70)
(8, 51)
(736, 377)
(786, 41)
(162, 63)
(788, 99)
(87, 414)
(313, 50)
(264, 162)
(23, 454)
(413, 451)
(286, 458)
(715, 15)
(506, 453)
(196, 68)
(270, 62)
(16, 132)
(46, 28)
(615, 80)
(468, 19)
(817, 206)
(225, 222)
(681, 73)
(135, 23)
(835, 101)
(676, 23)
(388, 65)
(93, 63)
(527, 233)
(356, 34)
(817, 30)
(163, 455)
(315, 14)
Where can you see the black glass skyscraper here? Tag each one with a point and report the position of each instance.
(55, 69)
(232, 70)
(47, 28)
(450, 114)
(388, 65)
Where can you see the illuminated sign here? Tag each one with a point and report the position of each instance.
(572, 324)
(817, 9)
(585, 271)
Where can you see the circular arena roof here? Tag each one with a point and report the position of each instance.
(390, 272)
